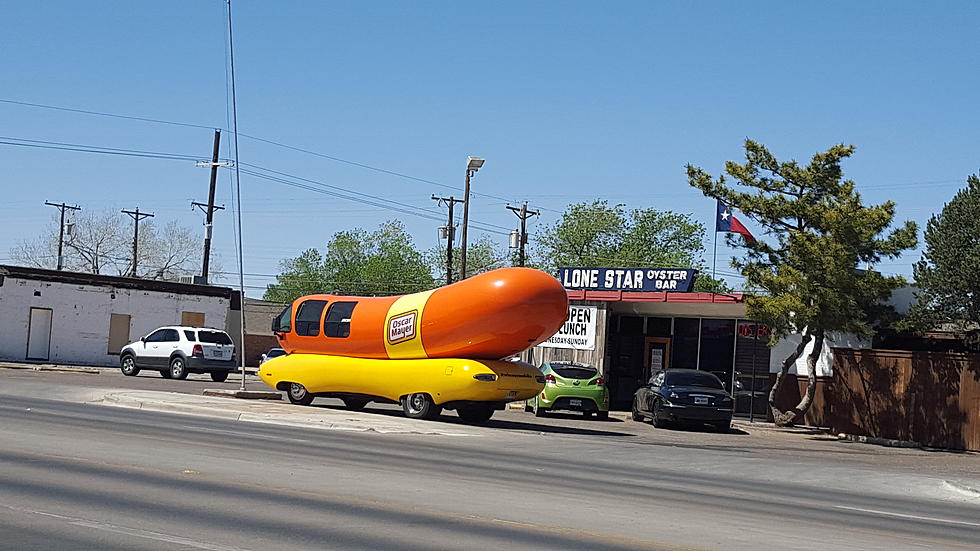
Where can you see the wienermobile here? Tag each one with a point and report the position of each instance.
(428, 351)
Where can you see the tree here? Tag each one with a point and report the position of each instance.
(481, 256)
(381, 263)
(597, 234)
(819, 233)
(948, 276)
(102, 243)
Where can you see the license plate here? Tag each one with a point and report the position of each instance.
(698, 400)
(574, 402)
(512, 394)
(216, 354)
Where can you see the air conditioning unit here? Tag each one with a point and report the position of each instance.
(185, 279)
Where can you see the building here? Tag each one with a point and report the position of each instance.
(86, 319)
(631, 322)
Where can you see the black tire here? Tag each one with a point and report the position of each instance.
(127, 364)
(420, 406)
(298, 394)
(602, 415)
(178, 369)
(219, 376)
(475, 414)
(527, 407)
(722, 426)
(657, 421)
(355, 404)
(165, 373)
(538, 410)
(636, 415)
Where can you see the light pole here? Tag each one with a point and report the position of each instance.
(472, 165)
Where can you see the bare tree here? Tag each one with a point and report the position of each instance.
(102, 243)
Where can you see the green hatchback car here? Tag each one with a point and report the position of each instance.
(571, 386)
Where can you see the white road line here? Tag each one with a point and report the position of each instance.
(902, 515)
(135, 532)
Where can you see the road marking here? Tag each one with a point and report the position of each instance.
(145, 534)
(902, 515)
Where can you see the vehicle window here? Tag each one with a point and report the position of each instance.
(214, 337)
(658, 379)
(275, 353)
(308, 318)
(688, 378)
(337, 322)
(574, 372)
(156, 336)
(190, 335)
(281, 323)
(170, 335)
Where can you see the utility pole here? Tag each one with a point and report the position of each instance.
(523, 214)
(450, 234)
(61, 229)
(472, 165)
(210, 208)
(136, 215)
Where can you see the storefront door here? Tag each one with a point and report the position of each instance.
(656, 357)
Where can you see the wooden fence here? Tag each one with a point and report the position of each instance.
(928, 397)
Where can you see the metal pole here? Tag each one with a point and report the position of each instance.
(450, 235)
(466, 218)
(523, 214)
(238, 193)
(755, 346)
(136, 216)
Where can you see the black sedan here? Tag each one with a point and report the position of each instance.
(684, 395)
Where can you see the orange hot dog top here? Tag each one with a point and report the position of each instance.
(488, 316)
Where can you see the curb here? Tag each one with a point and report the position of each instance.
(244, 394)
(50, 367)
(888, 442)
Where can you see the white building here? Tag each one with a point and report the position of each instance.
(85, 319)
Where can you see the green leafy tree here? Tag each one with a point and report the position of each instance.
(818, 233)
(481, 256)
(948, 276)
(599, 234)
(381, 263)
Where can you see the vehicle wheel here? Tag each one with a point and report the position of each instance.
(177, 368)
(723, 426)
(128, 366)
(165, 373)
(355, 404)
(298, 394)
(420, 406)
(587, 414)
(475, 414)
(219, 376)
(538, 410)
(527, 407)
(602, 415)
(636, 415)
(657, 421)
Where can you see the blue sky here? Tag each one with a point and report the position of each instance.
(567, 101)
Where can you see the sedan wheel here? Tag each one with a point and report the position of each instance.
(128, 366)
(538, 410)
(299, 395)
(177, 368)
(420, 406)
(636, 415)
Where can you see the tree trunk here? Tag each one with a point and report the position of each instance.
(783, 418)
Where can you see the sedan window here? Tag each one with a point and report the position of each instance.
(688, 378)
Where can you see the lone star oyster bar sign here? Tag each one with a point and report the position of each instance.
(628, 279)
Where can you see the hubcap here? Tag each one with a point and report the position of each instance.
(297, 390)
(416, 402)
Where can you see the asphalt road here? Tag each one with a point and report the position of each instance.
(75, 475)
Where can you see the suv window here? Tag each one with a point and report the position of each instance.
(281, 323)
(214, 337)
(190, 335)
(157, 336)
(337, 322)
(170, 335)
(308, 318)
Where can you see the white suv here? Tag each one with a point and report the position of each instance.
(176, 351)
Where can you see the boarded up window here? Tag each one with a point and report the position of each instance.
(192, 319)
(118, 332)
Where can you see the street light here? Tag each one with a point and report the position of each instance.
(472, 165)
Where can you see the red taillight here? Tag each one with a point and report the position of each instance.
(198, 350)
(598, 381)
(549, 379)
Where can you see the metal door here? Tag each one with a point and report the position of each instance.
(39, 334)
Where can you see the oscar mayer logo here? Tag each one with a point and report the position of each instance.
(401, 328)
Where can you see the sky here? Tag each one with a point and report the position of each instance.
(379, 104)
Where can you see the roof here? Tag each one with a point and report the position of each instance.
(661, 296)
(115, 282)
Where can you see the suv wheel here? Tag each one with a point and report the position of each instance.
(128, 366)
(177, 368)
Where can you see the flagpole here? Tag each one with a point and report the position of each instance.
(714, 259)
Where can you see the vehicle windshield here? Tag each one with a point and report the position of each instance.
(574, 371)
(213, 337)
(688, 378)
(275, 353)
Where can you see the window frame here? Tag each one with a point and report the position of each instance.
(313, 329)
(343, 324)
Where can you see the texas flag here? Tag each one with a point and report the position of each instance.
(726, 222)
